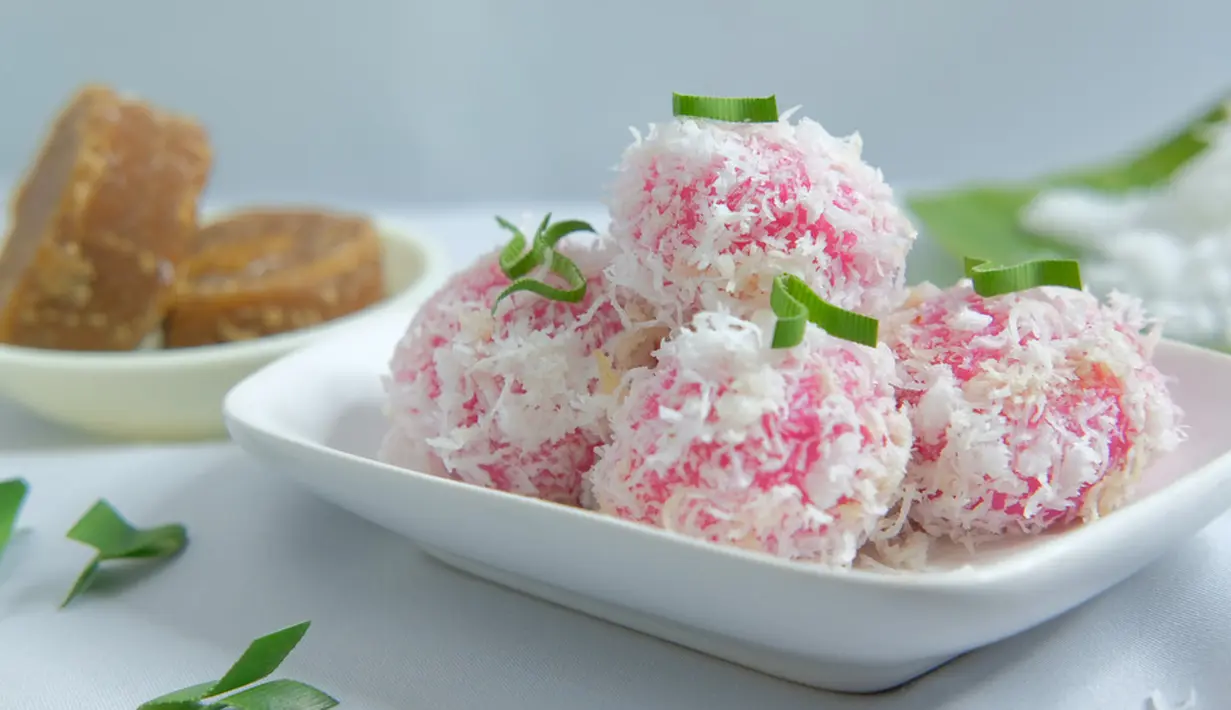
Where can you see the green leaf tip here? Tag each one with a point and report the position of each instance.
(731, 109)
(991, 280)
(256, 663)
(796, 305)
(517, 261)
(13, 494)
(114, 538)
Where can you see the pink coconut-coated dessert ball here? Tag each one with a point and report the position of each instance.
(707, 213)
(796, 452)
(1030, 410)
(514, 401)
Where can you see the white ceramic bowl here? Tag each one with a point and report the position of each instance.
(315, 417)
(177, 394)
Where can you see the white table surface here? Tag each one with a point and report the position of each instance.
(394, 630)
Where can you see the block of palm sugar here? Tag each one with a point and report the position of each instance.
(263, 272)
(99, 225)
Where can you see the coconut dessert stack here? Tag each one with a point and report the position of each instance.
(738, 359)
(797, 450)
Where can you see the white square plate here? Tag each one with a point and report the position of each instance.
(315, 416)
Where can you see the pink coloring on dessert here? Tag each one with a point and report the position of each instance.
(510, 401)
(1030, 410)
(796, 452)
(707, 213)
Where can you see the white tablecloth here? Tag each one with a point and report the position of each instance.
(394, 630)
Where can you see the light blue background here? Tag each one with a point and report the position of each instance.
(412, 102)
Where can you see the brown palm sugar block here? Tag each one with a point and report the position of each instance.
(263, 272)
(105, 214)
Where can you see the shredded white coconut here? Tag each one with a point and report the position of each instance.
(1169, 246)
(798, 452)
(1028, 409)
(707, 213)
(511, 400)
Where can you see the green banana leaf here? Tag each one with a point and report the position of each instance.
(983, 220)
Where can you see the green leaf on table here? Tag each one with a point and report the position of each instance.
(12, 496)
(258, 661)
(984, 221)
(279, 695)
(115, 538)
